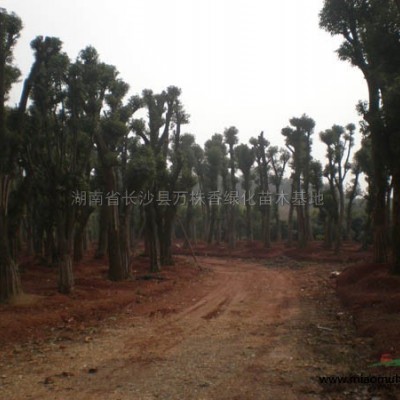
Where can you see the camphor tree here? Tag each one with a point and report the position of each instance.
(214, 169)
(165, 112)
(10, 27)
(278, 159)
(298, 142)
(246, 157)
(13, 126)
(261, 148)
(370, 29)
(231, 139)
(339, 142)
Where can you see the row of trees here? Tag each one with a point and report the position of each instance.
(371, 42)
(75, 131)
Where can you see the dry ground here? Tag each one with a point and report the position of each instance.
(242, 329)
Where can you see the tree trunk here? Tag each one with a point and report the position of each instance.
(80, 233)
(102, 245)
(50, 247)
(10, 283)
(165, 227)
(278, 219)
(328, 233)
(290, 224)
(301, 226)
(396, 223)
(267, 232)
(380, 238)
(373, 118)
(211, 224)
(188, 224)
(116, 267)
(340, 221)
(65, 234)
(151, 238)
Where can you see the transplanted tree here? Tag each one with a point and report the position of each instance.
(298, 142)
(231, 139)
(339, 142)
(352, 191)
(278, 159)
(261, 149)
(12, 127)
(246, 157)
(370, 29)
(214, 168)
(10, 27)
(164, 112)
(100, 89)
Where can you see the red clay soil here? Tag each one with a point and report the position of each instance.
(315, 251)
(42, 312)
(281, 299)
(372, 294)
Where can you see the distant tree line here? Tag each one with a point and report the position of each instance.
(76, 131)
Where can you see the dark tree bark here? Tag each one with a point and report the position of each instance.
(80, 232)
(151, 237)
(396, 222)
(10, 283)
(64, 255)
(102, 245)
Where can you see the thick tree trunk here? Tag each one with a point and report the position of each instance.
(188, 224)
(328, 233)
(373, 117)
(380, 238)
(248, 223)
(49, 247)
(278, 220)
(302, 240)
(232, 226)
(65, 234)
(211, 225)
(102, 245)
(267, 232)
(339, 223)
(80, 233)
(165, 226)
(66, 277)
(290, 225)
(151, 238)
(396, 223)
(116, 267)
(307, 220)
(10, 283)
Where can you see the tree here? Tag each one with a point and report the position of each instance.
(298, 142)
(10, 27)
(370, 30)
(231, 140)
(215, 164)
(164, 112)
(246, 157)
(339, 142)
(261, 149)
(278, 159)
(352, 191)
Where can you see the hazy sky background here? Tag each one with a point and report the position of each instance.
(253, 64)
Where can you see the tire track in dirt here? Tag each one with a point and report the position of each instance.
(244, 337)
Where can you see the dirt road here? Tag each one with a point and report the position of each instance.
(249, 330)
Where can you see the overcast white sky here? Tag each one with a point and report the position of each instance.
(253, 64)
